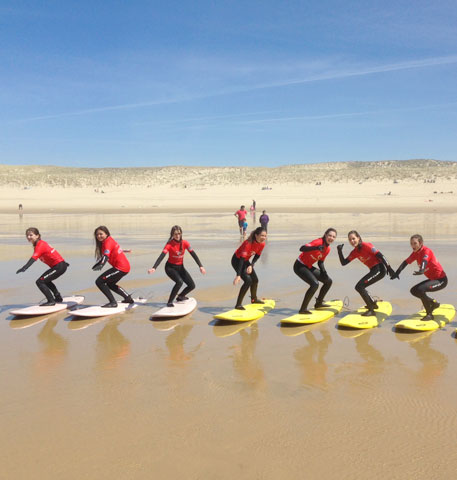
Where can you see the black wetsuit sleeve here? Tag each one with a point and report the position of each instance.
(195, 257)
(400, 268)
(101, 263)
(159, 259)
(422, 268)
(343, 261)
(321, 266)
(254, 260)
(306, 248)
(27, 265)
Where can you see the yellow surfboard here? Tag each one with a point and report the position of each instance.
(253, 311)
(356, 320)
(443, 314)
(316, 316)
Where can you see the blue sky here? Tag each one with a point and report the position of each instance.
(149, 83)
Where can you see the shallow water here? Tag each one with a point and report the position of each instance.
(125, 397)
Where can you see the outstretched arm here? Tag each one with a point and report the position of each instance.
(101, 263)
(343, 261)
(27, 265)
(399, 270)
(157, 263)
(197, 261)
(384, 261)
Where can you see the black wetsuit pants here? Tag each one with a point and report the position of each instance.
(107, 282)
(375, 274)
(179, 275)
(44, 283)
(422, 288)
(312, 276)
(250, 281)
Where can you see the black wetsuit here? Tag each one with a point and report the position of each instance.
(250, 281)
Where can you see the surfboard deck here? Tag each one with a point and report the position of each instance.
(98, 311)
(356, 320)
(36, 310)
(316, 316)
(178, 310)
(443, 314)
(253, 311)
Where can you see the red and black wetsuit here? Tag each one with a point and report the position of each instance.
(174, 267)
(312, 252)
(375, 261)
(107, 281)
(241, 261)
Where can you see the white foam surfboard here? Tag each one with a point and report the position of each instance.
(35, 310)
(179, 309)
(99, 311)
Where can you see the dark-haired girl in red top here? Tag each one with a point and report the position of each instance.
(174, 268)
(428, 266)
(51, 257)
(373, 259)
(244, 268)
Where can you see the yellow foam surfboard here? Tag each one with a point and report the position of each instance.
(356, 320)
(316, 316)
(253, 311)
(443, 314)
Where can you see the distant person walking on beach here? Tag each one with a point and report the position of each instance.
(108, 250)
(51, 257)
(174, 268)
(241, 215)
(312, 252)
(428, 266)
(244, 268)
(374, 260)
(264, 219)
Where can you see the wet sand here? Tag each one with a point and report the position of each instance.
(126, 397)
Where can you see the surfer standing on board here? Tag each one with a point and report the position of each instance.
(241, 215)
(174, 268)
(312, 252)
(108, 250)
(428, 266)
(374, 260)
(51, 257)
(244, 269)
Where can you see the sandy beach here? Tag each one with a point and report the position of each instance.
(128, 397)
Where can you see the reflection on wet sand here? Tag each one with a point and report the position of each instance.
(433, 362)
(112, 346)
(311, 359)
(245, 362)
(54, 348)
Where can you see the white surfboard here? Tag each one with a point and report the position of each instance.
(35, 310)
(179, 309)
(99, 311)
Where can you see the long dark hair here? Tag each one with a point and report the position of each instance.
(331, 229)
(417, 237)
(98, 244)
(176, 228)
(255, 232)
(35, 231)
(357, 234)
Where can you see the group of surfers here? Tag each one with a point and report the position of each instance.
(309, 266)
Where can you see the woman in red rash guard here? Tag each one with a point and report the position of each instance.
(174, 268)
(373, 259)
(313, 252)
(428, 266)
(244, 269)
(108, 250)
(51, 257)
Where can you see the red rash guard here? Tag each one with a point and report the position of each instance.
(247, 249)
(47, 254)
(366, 254)
(116, 257)
(176, 251)
(309, 258)
(433, 270)
(241, 214)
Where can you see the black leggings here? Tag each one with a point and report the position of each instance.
(107, 281)
(179, 275)
(44, 283)
(250, 281)
(420, 290)
(375, 274)
(312, 276)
